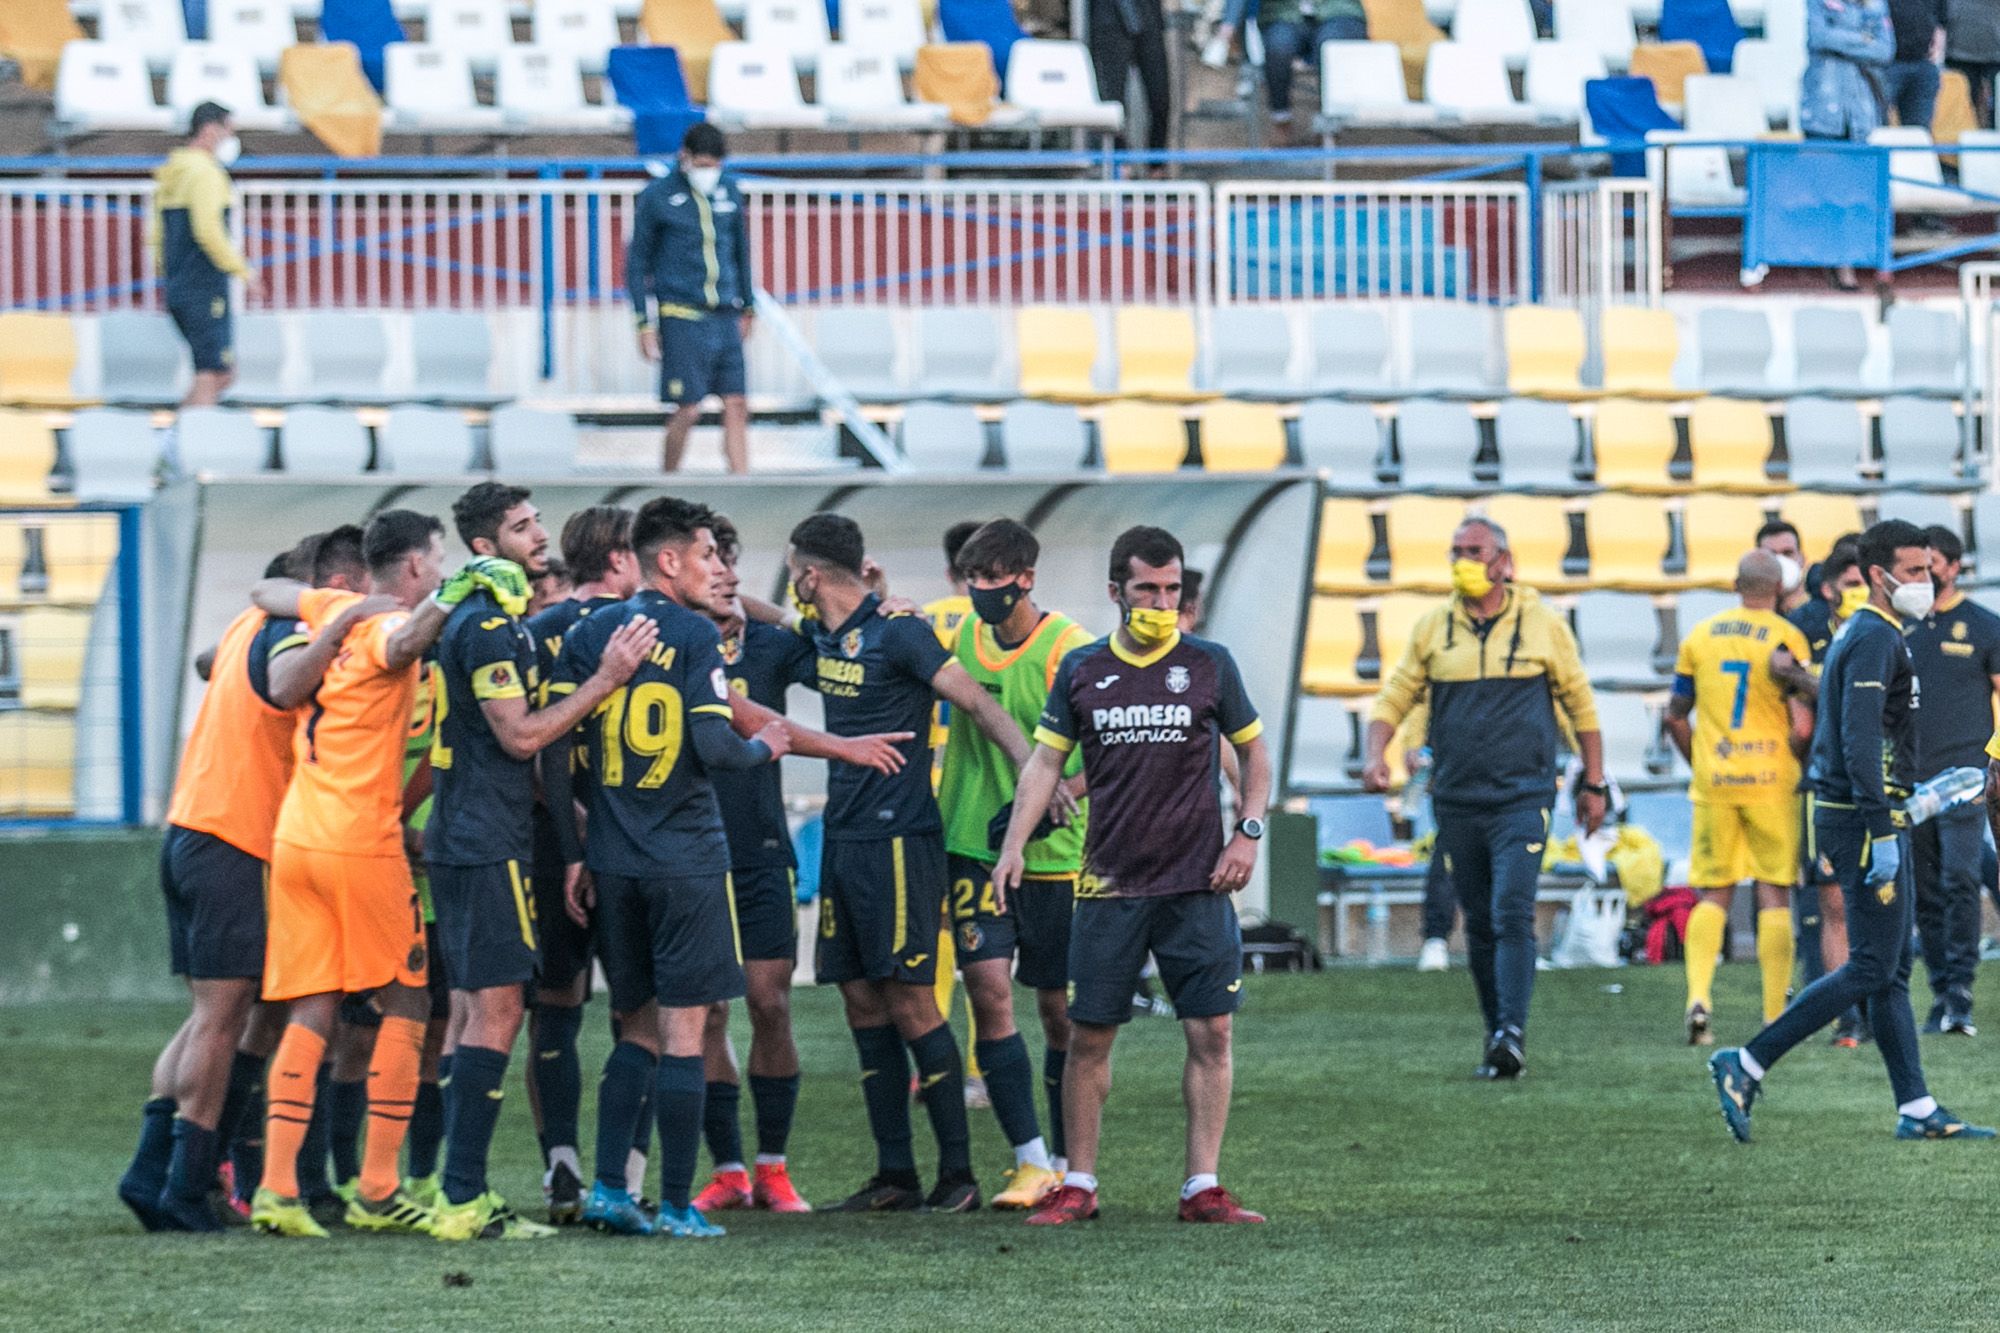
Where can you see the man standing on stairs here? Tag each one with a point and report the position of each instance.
(192, 251)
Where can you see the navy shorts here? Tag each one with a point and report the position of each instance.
(699, 357)
(215, 906)
(565, 951)
(767, 912)
(436, 980)
(1035, 925)
(1195, 938)
(667, 938)
(485, 924)
(210, 331)
(881, 905)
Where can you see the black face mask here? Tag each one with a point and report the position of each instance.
(994, 605)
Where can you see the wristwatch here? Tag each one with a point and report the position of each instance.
(1252, 829)
(1595, 789)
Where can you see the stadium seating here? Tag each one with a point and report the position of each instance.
(860, 89)
(1537, 536)
(1537, 442)
(478, 30)
(694, 29)
(425, 442)
(1058, 352)
(214, 72)
(1640, 346)
(1557, 75)
(1042, 437)
(1618, 634)
(796, 27)
(139, 357)
(451, 353)
(1342, 439)
(1735, 350)
(540, 91)
(1627, 536)
(1134, 436)
(1924, 510)
(959, 354)
(1333, 648)
(858, 345)
(37, 357)
(531, 442)
(1054, 83)
(260, 358)
(1469, 84)
(323, 442)
(1715, 533)
(1633, 444)
(1350, 349)
(104, 86)
(1920, 443)
(27, 457)
(1346, 539)
(1820, 518)
(1545, 351)
(153, 28)
(755, 87)
(1250, 352)
(1829, 347)
(1452, 350)
(1924, 349)
(1776, 71)
(1362, 83)
(1396, 616)
(221, 441)
(430, 91)
(1420, 528)
(328, 89)
(1241, 437)
(1916, 182)
(1604, 27)
(259, 29)
(1157, 350)
(942, 437)
(1730, 442)
(346, 355)
(1669, 65)
(891, 27)
(584, 30)
(113, 455)
(1437, 443)
(1827, 442)
(77, 555)
(52, 642)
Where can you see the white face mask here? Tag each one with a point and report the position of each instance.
(1790, 574)
(704, 179)
(1912, 600)
(228, 150)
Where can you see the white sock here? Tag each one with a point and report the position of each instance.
(1750, 1065)
(565, 1155)
(770, 1159)
(1197, 1183)
(1919, 1108)
(635, 1174)
(1035, 1152)
(722, 1167)
(1059, 1165)
(1082, 1180)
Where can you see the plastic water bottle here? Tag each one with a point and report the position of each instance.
(1947, 791)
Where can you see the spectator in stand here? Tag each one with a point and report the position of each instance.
(1125, 33)
(1293, 30)
(192, 250)
(1849, 44)
(1972, 47)
(1910, 84)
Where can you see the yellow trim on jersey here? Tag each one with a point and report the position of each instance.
(735, 928)
(1043, 736)
(558, 688)
(902, 895)
(1246, 734)
(723, 709)
(521, 908)
(498, 680)
(286, 644)
(982, 635)
(1144, 659)
(1993, 746)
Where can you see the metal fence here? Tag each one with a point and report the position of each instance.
(1601, 243)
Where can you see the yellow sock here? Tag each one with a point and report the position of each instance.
(1703, 950)
(1774, 957)
(947, 973)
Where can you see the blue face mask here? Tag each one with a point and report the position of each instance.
(994, 605)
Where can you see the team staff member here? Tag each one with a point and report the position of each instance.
(1149, 708)
(1956, 650)
(1743, 742)
(192, 250)
(690, 256)
(1496, 662)
(1862, 767)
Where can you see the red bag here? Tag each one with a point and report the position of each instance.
(1667, 915)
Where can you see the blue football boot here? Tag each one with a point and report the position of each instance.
(615, 1211)
(1736, 1090)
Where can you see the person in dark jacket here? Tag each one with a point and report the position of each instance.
(1862, 768)
(1910, 83)
(688, 271)
(192, 250)
(1972, 47)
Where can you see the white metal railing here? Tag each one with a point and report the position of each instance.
(1601, 243)
(1976, 288)
(75, 245)
(1284, 241)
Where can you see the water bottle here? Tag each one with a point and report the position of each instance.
(1947, 791)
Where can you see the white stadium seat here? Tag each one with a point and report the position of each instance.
(261, 29)
(754, 87)
(215, 72)
(1362, 83)
(1604, 25)
(156, 27)
(796, 27)
(430, 92)
(1470, 84)
(1776, 72)
(541, 91)
(1980, 171)
(1502, 26)
(1057, 84)
(895, 26)
(1917, 184)
(104, 86)
(1725, 106)
(859, 88)
(1696, 177)
(585, 29)
(1557, 72)
(479, 30)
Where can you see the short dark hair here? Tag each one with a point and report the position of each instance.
(341, 551)
(1880, 543)
(1945, 542)
(1191, 580)
(955, 538)
(283, 565)
(1831, 568)
(1152, 546)
(555, 570)
(592, 536)
(1849, 542)
(830, 539)
(704, 140)
(394, 533)
(478, 512)
(668, 521)
(1000, 547)
(1777, 527)
(728, 542)
(204, 115)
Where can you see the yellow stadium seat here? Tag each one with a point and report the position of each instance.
(13, 559)
(1346, 539)
(1157, 349)
(1405, 23)
(326, 89)
(27, 456)
(37, 357)
(1420, 528)
(1627, 535)
(693, 28)
(1141, 437)
(1954, 114)
(1729, 440)
(1058, 348)
(1396, 617)
(1537, 534)
(1716, 532)
(1821, 520)
(1668, 65)
(1333, 648)
(1633, 443)
(1241, 437)
(33, 34)
(1545, 351)
(1640, 347)
(37, 763)
(958, 76)
(51, 642)
(77, 553)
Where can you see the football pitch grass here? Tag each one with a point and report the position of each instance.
(1601, 1192)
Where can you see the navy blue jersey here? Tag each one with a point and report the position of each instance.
(762, 663)
(1956, 650)
(1864, 750)
(1150, 728)
(1815, 620)
(481, 795)
(875, 672)
(652, 807)
(551, 623)
(279, 634)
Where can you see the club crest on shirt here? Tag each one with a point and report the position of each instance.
(1958, 629)
(732, 649)
(970, 936)
(1177, 679)
(850, 643)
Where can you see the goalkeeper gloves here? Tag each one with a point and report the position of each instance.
(507, 581)
(1885, 860)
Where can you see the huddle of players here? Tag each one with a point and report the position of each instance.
(651, 658)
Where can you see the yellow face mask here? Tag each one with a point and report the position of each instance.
(1150, 628)
(1852, 600)
(1470, 580)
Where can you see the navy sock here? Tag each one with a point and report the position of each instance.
(557, 1073)
(621, 1096)
(246, 1145)
(479, 1076)
(347, 1107)
(718, 1122)
(426, 1131)
(246, 1082)
(191, 1172)
(941, 1076)
(313, 1183)
(147, 1175)
(1054, 1062)
(1010, 1084)
(885, 1090)
(772, 1101)
(642, 1129)
(678, 1092)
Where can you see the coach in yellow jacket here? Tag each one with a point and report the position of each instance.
(192, 251)
(1497, 663)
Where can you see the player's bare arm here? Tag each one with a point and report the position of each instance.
(296, 672)
(960, 690)
(878, 752)
(416, 636)
(1795, 675)
(1034, 789)
(1590, 806)
(1680, 730)
(1239, 855)
(1375, 767)
(524, 732)
(1802, 726)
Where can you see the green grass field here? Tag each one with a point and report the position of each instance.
(1602, 1192)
